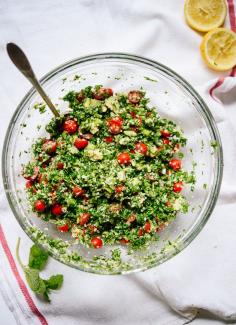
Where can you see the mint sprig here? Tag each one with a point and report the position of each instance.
(37, 261)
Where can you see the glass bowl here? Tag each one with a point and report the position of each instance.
(176, 100)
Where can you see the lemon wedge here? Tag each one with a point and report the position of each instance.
(205, 15)
(218, 49)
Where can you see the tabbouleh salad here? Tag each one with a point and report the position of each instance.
(110, 170)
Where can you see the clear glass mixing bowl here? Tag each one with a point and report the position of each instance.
(176, 100)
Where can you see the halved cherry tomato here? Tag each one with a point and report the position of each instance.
(119, 189)
(57, 209)
(78, 191)
(70, 126)
(29, 184)
(166, 141)
(177, 187)
(84, 218)
(96, 242)
(124, 158)
(165, 133)
(115, 125)
(63, 228)
(80, 143)
(60, 165)
(39, 205)
(49, 146)
(134, 96)
(141, 148)
(147, 226)
(140, 232)
(124, 241)
(103, 93)
(175, 164)
(108, 139)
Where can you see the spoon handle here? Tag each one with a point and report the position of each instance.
(20, 60)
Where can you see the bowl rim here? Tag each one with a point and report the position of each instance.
(194, 231)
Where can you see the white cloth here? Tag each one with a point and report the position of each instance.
(202, 277)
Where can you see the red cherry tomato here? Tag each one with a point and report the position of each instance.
(108, 139)
(103, 93)
(63, 228)
(115, 125)
(165, 133)
(124, 241)
(141, 148)
(28, 184)
(140, 232)
(124, 158)
(57, 209)
(96, 242)
(80, 143)
(78, 191)
(134, 96)
(60, 165)
(119, 189)
(70, 126)
(147, 226)
(166, 141)
(49, 146)
(39, 206)
(84, 218)
(175, 164)
(177, 187)
(114, 128)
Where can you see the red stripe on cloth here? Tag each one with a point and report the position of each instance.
(232, 19)
(219, 82)
(19, 280)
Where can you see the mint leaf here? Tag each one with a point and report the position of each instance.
(32, 278)
(54, 282)
(37, 258)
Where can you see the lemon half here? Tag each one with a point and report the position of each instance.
(218, 49)
(205, 15)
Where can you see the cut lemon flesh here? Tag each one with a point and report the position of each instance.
(205, 15)
(218, 49)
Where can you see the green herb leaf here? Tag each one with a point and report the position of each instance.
(37, 258)
(32, 278)
(54, 282)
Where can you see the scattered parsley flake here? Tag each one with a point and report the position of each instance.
(41, 107)
(150, 79)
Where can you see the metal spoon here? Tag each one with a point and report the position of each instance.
(20, 60)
